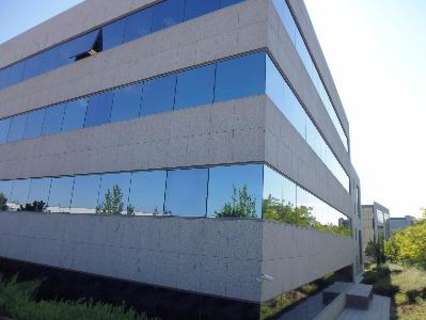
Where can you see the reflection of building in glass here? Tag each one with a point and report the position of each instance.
(231, 165)
(375, 222)
(399, 223)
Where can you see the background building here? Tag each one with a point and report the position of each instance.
(398, 223)
(215, 126)
(375, 222)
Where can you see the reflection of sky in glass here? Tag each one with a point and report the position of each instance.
(127, 103)
(186, 193)
(147, 192)
(60, 194)
(85, 195)
(39, 190)
(5, 188)
(223, 180)
(20, 190)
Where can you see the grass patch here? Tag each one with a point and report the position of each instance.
(405, 285)
(17, 301)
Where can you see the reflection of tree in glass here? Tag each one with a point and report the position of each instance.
(242, 205)
(300, 216)
(113, 202)
(3, 202)
(36, 206)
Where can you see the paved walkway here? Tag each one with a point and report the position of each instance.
(379, 310)
(308, 309)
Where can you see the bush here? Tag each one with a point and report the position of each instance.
(16, 299)
(408, 246)
(3, 202)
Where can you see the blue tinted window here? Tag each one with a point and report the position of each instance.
(117, 186)
(186, 192)
(32, 67)
(85, 194)
(34, 124)
(39, 190)
(71, 50)
(195, 87)
(53, 119)
(49, 60)
(75, 113)
(167, 14)
(158, 95)
(4, 129)
(235, 191)
(283, 97)
(241, 77)
(147, 192)
(196, 8)
(20, 190)
(138, 25)
(60, 194)
(16, 73)
(127, 103)
(99, 109)
(113, 34)
(17, 128)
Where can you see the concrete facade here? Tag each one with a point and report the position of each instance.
(375, 220)
(198, 256)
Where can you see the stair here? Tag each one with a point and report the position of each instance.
(337, 288)
(359, 296)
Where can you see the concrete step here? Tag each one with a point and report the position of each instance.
(330, 293)
(359, 296)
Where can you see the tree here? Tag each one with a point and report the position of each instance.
(275, 210)
(376, 249)
(242, 205)
(408, 246)
(3, 202)
(113, 202)
(36, 206)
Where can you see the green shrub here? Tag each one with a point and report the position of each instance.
(16, 299)
(401, 298)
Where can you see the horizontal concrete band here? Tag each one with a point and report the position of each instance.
(227, 258)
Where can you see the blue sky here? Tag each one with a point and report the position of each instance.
(17, 16)
(376, 52)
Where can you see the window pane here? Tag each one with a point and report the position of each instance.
(20, 190)
(4, 129)
(60, 194)
(187, 192)
(283, 97)
(147, 192)
(138, 25)
(99, 109)
(34, 124)
(114, 193)
(167, 14)
(49, 60)
(16, 73)
(241, 77)
(112, 34)
(17, 127)
(81, 45)
(75, 113)
(279, 198)
(127, 103)
(53, 119)
(32, 67)
(195, 87)
(196, 8)
(39, 190)
(235, 191)
(85, 194)
(158, 95)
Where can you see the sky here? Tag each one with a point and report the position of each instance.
(376, 51)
